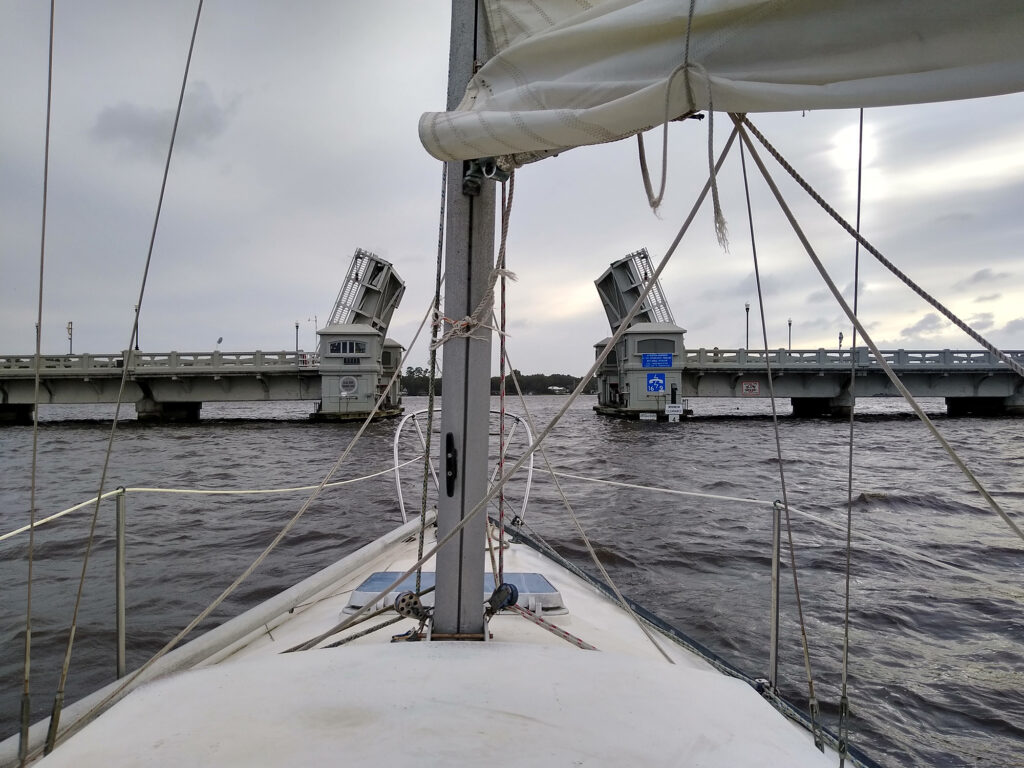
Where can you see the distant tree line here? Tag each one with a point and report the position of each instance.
(416, 380)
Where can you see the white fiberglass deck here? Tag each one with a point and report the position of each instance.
(524, 697)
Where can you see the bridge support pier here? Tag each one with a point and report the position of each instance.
(16, 413)
(149, 410)
(813, 407)
(983, 406)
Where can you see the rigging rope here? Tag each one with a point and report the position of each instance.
(26, 706)
(58, 701)
(506, 215)
(804, 643)
(120, 689)
(1013, 592)
(435, 319)
(1013, 364)
(583, 535)
(844, 701)
(518, 464)
(741, 122)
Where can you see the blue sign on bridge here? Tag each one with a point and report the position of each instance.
(656, 360)
(655, 382)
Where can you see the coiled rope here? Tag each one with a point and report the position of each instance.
(654, 200)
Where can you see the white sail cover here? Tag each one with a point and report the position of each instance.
(568, 73)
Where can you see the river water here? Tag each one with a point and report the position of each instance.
(936, 671)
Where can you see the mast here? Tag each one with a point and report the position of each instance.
(469, 259)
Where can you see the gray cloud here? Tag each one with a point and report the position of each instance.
(982, 277)
(930, 323)
(982, 321)
(1014, 327)
(988, 297)
(825, 295)
(144, 131)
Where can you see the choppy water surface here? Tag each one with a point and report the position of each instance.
(936, 661)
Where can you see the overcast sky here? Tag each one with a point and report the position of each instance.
(298, 144)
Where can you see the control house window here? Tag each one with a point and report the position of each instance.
(662, 346)
(347, 347)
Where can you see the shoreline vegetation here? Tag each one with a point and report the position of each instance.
(416, 380)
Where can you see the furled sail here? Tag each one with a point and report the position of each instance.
(569, 73)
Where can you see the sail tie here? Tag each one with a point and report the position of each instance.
(721, 228)
(468, 325)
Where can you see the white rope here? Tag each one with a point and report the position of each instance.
(204, 492)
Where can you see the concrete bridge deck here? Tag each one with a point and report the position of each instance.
(818, 381)
(163, 386)
(173, 385)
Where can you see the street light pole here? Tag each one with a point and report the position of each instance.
(790, 334)
(136, 327)
(747, 307)
(296, 336)
(70, 337)
(840, 339)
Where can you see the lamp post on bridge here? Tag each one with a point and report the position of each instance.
(296, 337)
(747, 308)
(790, 321)
(70, 337)
(840, 339)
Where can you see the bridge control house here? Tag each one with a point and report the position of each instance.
(642, 376)
(356, 364)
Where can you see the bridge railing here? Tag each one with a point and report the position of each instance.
(841, 358)
(160, 362)
(27, 363)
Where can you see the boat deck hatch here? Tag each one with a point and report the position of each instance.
(535, 592)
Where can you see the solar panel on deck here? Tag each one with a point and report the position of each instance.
(534, 590)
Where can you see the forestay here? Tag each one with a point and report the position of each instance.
(568, 73)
